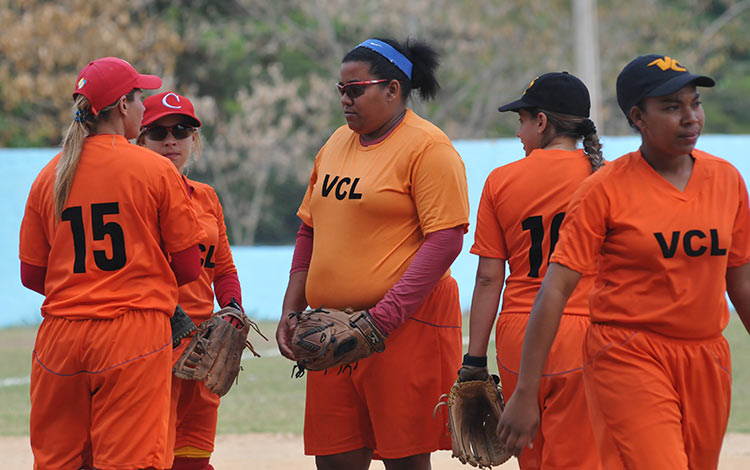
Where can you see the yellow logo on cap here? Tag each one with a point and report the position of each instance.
(668, 63)
(530, 85)
(81, 82)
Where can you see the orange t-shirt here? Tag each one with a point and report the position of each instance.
(371, 207)
(197, 297)
(522, 206)
(106, 256)
(663, 253)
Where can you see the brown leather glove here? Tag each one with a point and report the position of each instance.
(215, 351)
(475, 404)
(328, 337)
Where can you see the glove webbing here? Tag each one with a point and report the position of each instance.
(182, 326)
(244, 320)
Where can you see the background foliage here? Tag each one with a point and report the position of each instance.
(261, 72)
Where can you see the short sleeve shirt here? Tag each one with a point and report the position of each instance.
(371, 207)
(519, 217)
(663, 253)
(197, 297)
(127, 208)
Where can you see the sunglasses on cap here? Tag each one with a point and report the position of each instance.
(356, 89)
(178, 131)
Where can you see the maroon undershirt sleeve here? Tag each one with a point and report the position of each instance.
(186, 264)
(226, 288)
(32, 277)
(302, 249)
(432, 259)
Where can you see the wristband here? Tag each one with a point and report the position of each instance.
(236, 305)
(475, 361)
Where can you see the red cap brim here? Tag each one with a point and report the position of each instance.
(147, 82)
(194, 121)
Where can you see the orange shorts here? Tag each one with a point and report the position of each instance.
(565, 438)
(386, 403)
(657, 402)
(193, 411)
(100, 392)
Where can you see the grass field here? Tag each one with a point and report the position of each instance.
(267, 399)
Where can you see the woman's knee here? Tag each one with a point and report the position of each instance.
(413, 462)
(358, 459)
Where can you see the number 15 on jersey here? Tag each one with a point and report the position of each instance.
(99, 229)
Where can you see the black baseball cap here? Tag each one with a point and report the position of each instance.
(559, 92)
(653, 75)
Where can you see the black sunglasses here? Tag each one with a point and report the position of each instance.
(178, 131)
(356, 89)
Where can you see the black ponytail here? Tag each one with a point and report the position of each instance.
(424, 61)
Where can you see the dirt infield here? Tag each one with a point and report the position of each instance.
(282, 452)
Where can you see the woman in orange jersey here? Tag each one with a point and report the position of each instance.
(667, 231)
(522, 207)
(383, 219)
(170, 128)
(101, 219)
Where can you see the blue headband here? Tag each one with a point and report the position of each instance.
(387, 51)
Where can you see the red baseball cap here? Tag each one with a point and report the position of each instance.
(104, 81)
(166, 104)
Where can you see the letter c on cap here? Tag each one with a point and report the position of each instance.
(165, 103)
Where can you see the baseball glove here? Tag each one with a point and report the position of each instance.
(324, 338)
(474, 409)
(214, 352)
(181, 325)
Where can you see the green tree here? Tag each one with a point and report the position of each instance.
(262, 72)
(45, 44)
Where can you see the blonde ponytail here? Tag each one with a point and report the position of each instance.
(83, 125)
(72, 145)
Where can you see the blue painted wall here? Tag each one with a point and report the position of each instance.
(264, 270)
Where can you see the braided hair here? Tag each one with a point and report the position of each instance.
(577, 127)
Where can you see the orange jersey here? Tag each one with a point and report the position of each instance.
(520, 213)
(371, 207)
(106, 254)
(663, 253)
(197, 297)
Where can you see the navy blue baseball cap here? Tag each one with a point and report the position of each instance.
(653, 75)
(559, 92)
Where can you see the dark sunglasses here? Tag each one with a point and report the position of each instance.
(178, 131)
(355, 89)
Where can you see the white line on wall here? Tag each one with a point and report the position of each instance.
(13, 381)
